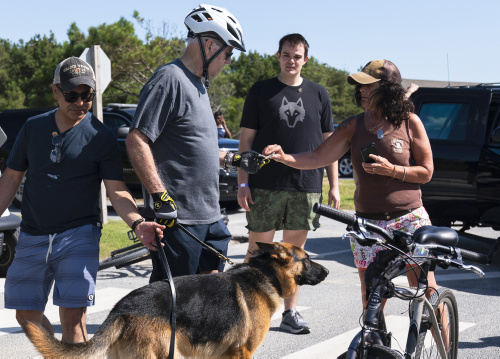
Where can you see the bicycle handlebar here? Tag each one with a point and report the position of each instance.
(352, 220)
(335, 214)
(349, 219)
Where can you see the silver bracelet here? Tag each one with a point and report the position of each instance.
(404, 174)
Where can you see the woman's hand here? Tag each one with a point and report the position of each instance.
(276, 151)
(381, 166)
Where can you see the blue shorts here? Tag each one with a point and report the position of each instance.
(70, 262)
(186, 256)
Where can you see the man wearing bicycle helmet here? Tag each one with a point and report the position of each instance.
(173, 144)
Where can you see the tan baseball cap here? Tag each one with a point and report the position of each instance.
(375, 71)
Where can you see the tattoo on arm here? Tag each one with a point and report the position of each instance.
(347, 122)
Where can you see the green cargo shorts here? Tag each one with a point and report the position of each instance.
(278, 210)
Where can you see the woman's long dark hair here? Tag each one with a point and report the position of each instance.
(390, 101)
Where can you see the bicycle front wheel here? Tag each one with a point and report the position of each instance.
(380, 352)
(445, 307)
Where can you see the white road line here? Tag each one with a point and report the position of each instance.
(105, 300)
(335, 346)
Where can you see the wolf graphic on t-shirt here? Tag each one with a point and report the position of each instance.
(292, 112)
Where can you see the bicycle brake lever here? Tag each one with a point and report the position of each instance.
(474, 269)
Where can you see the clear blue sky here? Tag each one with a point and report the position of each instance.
(418, 36)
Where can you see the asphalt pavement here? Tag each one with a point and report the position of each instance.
(332, 308)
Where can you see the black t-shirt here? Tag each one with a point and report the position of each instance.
(61, 196)
(294, 117)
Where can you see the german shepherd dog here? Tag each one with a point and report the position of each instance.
(223, 315)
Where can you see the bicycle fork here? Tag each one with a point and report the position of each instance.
(417, 307)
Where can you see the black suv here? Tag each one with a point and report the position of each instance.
(463, 125)
(118, 117)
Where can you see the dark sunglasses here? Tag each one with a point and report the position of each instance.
(72, 96)
(228, 56)
(56, 153)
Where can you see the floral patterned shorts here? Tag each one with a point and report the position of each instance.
(409, 223)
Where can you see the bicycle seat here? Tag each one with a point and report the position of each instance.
(438, 235)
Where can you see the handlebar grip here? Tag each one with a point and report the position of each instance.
(478, 258)
(334, 213)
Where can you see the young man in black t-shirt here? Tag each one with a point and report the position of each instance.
(295, 113)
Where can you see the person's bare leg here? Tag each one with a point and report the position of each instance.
(297, 238)
(34, 316)
(73, 324)
(361, 273)
(254, 237)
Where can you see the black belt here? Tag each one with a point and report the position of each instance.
(387, 216)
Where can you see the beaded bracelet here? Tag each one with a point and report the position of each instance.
(395, 171)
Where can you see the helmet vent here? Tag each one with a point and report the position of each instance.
(230, 18)
(196, 18)
(231, 30)
(207, 16)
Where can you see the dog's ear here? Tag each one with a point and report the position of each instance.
(274, 248)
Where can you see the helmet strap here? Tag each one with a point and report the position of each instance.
(207, 62)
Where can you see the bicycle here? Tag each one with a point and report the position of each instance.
(433, 329)
(136, 252)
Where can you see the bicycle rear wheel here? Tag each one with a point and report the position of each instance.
(445, 306)
(376, 351)
(124, 259)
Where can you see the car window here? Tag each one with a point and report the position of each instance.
(446, 121)
(115, 121)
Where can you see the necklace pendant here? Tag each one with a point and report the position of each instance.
(380, 134)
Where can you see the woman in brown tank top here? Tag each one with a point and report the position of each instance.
(387, 190)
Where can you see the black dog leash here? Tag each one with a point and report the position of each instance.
(220, 255)
(168, 274)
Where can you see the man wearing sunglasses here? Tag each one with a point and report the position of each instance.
(173, 145)
(65, 154)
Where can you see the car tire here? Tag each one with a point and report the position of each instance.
(345, 167)
(8, 251)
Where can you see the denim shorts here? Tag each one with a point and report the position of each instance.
(277, 210)
(186, 256)
(69, 260)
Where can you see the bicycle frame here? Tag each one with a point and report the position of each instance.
(374, 329)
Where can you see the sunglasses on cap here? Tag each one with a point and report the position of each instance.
(72, 96)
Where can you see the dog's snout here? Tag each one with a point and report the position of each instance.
(315, 274)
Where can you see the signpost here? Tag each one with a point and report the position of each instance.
(101, 64)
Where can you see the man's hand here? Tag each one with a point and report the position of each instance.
(146, 232)
(165, 209)
(250, 161)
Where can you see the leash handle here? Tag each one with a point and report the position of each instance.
(167, 275)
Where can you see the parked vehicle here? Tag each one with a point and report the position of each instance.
(118, 117)
(9, 231)
(345, 164)
(463, 125)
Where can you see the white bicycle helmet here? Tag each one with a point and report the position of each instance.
(211, 18)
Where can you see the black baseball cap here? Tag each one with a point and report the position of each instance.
(73, 72)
